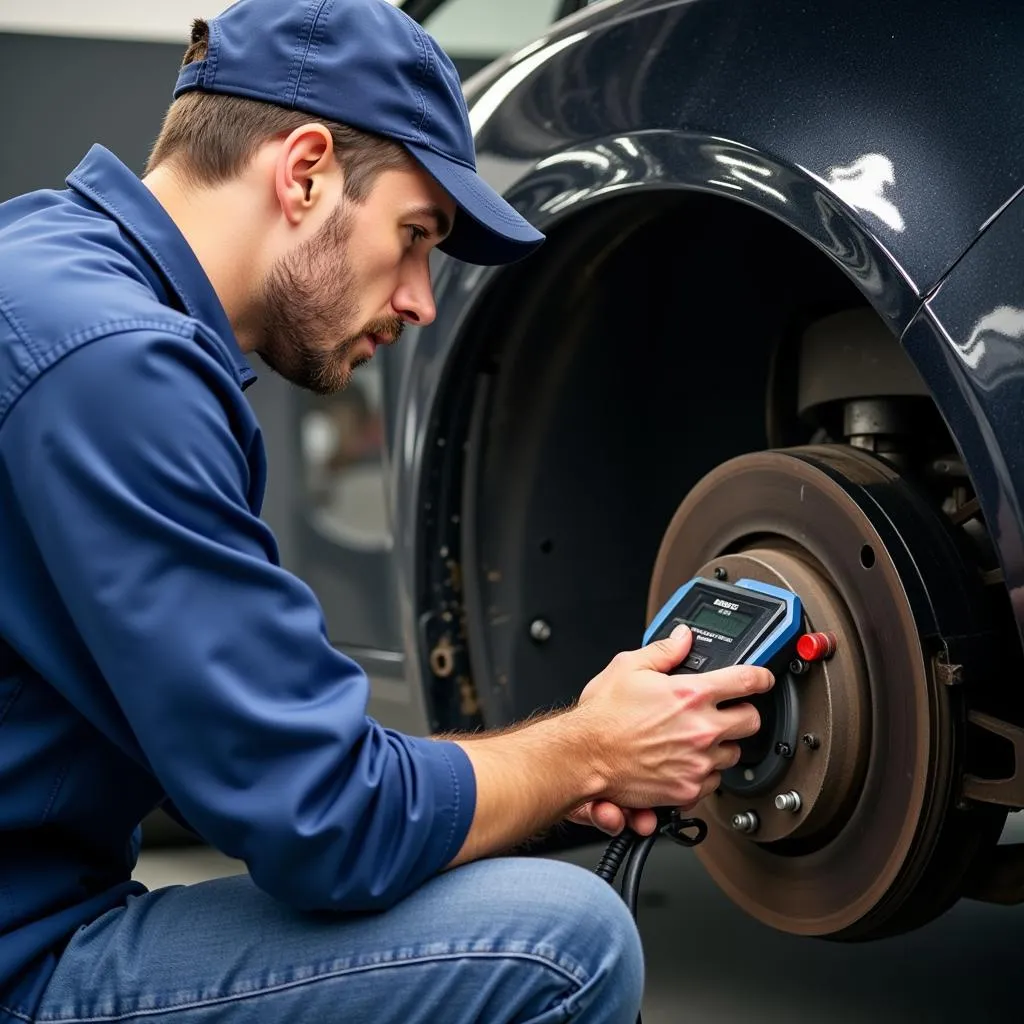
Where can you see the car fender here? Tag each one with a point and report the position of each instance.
(861, 149)
(968, 343)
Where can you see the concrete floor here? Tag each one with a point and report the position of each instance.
(709, 962)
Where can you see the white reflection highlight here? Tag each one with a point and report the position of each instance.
(725, 184)
(741, 170)
(628, 146)
(735, 161)
(531, 47)
(1007, 321)
(862, 185)
(489, 101)
(575, 156)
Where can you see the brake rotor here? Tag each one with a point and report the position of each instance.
(869, 741)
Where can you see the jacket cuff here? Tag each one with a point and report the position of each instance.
(454, 785)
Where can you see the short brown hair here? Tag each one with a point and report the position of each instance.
(211, 137)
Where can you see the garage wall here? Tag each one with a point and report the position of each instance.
(155, 20)
(61, 93)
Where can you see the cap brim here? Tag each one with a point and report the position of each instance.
(487, 230)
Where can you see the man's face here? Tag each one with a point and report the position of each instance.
(327, 304)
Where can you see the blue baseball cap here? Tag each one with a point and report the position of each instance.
(366, 64)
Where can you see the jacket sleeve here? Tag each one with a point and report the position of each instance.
(126, 459)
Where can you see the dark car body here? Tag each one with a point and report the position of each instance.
(889, 137)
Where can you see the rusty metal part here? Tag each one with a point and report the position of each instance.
(946, 672)
(832, 701)
(1007, 791)
(442, 657)
(965, 512)
(884, 848)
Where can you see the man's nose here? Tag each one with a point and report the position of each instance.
(414, 299)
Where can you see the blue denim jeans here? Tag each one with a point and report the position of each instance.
(503, 940)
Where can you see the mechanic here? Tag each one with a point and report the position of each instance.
(154, 652)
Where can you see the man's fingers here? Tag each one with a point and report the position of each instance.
(725, 755)
(642, 822)
(582, 815)
(739, 722)
(608, 817)
(737, 682)
(664, 655)
(611, 818)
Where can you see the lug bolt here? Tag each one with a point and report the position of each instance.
(798, 667)
(721, 574)
(788, 801)
(540, 630)
(783, 750)
(748, 821)
(810, 741)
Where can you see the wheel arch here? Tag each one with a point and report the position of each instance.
(581, 195)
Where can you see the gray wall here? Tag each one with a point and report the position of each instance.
(62, 94)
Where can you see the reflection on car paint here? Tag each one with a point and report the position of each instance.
(862, 185)
(582, 175)
(488, 101)
(1003, 329)
(741, 170)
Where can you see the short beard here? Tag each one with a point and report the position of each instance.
(308, 296)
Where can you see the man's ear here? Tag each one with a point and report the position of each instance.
(305, 171)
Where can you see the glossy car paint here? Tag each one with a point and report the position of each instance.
(968, 340)
(890, 135)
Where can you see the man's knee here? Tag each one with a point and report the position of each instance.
(606, 943)
(567, 918)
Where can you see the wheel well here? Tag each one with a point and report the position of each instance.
(650, 340)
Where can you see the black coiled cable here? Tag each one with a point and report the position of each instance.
(633, 848)
(611, 860)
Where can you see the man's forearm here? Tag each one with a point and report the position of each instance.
(528, 779)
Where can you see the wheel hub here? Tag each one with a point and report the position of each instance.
(862, 750)
(798, 751)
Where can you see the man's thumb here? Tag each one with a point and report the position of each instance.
(664, 655)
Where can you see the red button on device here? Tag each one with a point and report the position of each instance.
(816, 646)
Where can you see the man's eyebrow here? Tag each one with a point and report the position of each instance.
(442, 223)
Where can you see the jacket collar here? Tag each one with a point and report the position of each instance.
(105, 180)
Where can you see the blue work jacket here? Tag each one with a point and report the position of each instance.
(152, 648)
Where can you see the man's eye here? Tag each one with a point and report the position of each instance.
(416, 233)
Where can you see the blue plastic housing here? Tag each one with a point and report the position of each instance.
(780, 634)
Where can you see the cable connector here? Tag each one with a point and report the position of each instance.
(688, 832)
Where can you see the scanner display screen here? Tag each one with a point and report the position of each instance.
(730, 622)
(720, 620)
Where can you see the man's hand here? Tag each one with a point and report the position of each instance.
(665, 739)
(638, 739)
(611, 818)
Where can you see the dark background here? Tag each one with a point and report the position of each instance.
(60, 95)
